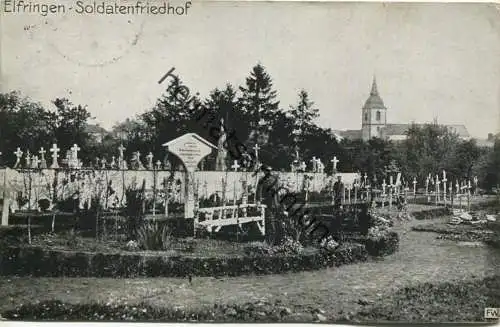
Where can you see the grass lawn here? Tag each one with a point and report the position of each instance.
(456, 301)
(460, 301)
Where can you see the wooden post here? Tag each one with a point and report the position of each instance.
(155, 176)
(189, 198)
(167, 195)
(6, 200)
(451, 195)
(391, 188)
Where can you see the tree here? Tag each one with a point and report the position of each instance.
(303, 115)
(70, 128)
(461, 160)
(304, 112)
(489, 176)
(258, 100)
(428, 149)
(375, 157)
(223, 105)
(23, 123)
(170, 116)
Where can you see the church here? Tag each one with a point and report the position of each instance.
(374, 122)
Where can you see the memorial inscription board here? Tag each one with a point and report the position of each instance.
(190, 149)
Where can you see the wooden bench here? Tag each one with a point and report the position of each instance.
(214, 218)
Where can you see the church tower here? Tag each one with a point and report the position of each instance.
(374, 115)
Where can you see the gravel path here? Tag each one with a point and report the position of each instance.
(421, 258)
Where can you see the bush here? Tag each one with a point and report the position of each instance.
(153, 236)
(381, 242)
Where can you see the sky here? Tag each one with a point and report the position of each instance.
(430, 60)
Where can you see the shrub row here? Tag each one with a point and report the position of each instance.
(35, 261)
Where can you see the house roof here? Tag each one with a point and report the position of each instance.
(94, 129)
(351, 134)
(461, 130)
(338, 135)
(485, 143)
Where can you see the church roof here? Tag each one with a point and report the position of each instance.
(401, 129)
(374, 101)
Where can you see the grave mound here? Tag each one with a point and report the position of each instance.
(205, 258)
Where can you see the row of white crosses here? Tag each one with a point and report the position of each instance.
(460, 189)
(36, 162)
(121, 163)
(317, 165)
(394, 188)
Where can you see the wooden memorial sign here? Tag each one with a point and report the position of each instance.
(190, 148)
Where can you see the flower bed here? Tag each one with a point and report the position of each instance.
(37, 261)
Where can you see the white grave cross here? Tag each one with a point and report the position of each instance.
(235, 165)
(28, 159)
(54, 151)
(43, 163)
(19, 155)
(335, 162)
(314, 164)
(256, 148)
(74, 156)
(150, 160)
(444, 180)
(35, 162)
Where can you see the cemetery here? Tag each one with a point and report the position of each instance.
(135, 219)
(171, 218)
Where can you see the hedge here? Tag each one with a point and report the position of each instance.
(36, 261)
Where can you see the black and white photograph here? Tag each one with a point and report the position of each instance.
(249, 161)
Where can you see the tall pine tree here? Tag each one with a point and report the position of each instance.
(258, 102)
(303, 115)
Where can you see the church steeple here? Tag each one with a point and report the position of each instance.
(374, 112)
(374, 90)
